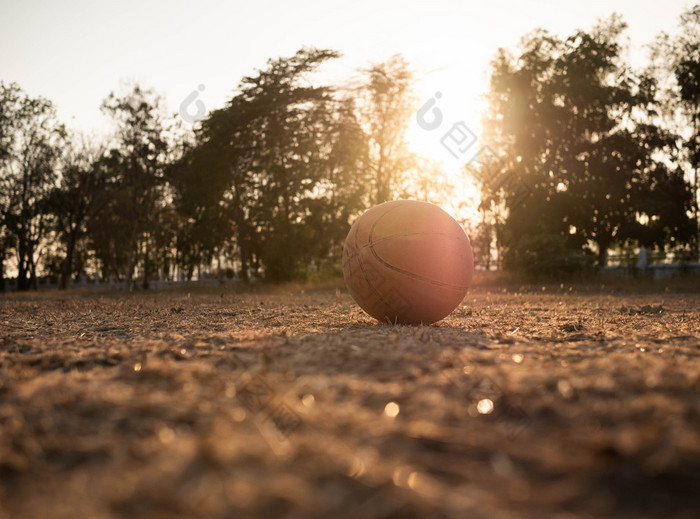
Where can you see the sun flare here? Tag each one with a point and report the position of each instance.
(445, 131)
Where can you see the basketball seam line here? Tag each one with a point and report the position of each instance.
(405, 272)
(359, 249)
(364, 274)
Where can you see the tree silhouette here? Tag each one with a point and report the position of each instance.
(386, 105)
(282, 162)
(678, 58)
(9, 101)
(580, 160)
(31, 140)
(137, 165)
(76, 200)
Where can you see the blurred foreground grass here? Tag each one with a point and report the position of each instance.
(289, 402)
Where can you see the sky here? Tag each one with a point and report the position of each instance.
(75, 52)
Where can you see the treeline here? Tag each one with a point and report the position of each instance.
(266, 184)
(585, 155)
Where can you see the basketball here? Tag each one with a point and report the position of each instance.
(407, 262)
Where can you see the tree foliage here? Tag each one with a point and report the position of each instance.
(387, 102)
(579, 158)
(76, 200)
(284, 161)
(31, 143)
(136, 164)
(675, 62)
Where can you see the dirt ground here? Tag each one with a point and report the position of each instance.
(284, 403)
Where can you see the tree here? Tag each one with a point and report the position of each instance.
(386, 106)
(203, 186)
(578, 155)
(108, 232)
(678, 59)
(342, 190)
(287, 116)
(137, 163)
(9, 104)
(31, 141)
(286, 167)
(283, 160)
(77, 199)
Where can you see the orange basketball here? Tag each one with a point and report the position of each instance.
(407, 262)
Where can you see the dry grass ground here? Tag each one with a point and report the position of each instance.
(288, 404)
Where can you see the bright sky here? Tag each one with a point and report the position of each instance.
(75, 52)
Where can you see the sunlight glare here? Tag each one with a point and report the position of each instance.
(447, 97)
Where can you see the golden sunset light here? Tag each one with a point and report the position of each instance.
(377, 259)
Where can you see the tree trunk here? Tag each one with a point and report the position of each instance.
(21, 265)
(697, 216)
(67, 263)
(602, 255)
(131, 264)
(165, 275)
(2, 270)
(382, 182)
(488, 251)
(244, 256)
(33, 284)
(145, 266)
(31, 267)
